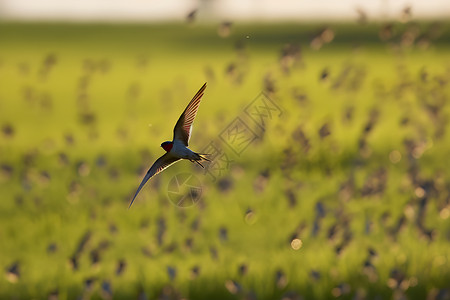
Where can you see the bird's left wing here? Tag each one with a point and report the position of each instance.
(183, 128)
(160, 164)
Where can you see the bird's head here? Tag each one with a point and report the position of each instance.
(167, 146)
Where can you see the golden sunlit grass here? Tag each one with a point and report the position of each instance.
(345, 194)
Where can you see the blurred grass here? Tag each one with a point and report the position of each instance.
(88, 106)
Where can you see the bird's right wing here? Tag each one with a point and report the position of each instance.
(160, 165)
(183, 128)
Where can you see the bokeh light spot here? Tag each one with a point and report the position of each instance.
(296, 244)
(395, 156)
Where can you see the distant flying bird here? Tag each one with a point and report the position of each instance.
(177, 149)
(191, 16)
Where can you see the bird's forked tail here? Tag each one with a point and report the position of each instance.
(200, 157)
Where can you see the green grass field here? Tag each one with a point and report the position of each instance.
(345, 193)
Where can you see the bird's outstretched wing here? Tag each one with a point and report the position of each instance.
(183, 128)
(160, 164)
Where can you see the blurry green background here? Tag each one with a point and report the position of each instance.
(345, 195)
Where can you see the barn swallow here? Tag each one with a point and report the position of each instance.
(178, 148)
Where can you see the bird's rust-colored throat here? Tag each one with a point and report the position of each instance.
(167, 146)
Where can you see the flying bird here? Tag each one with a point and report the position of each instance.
(178, 148)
